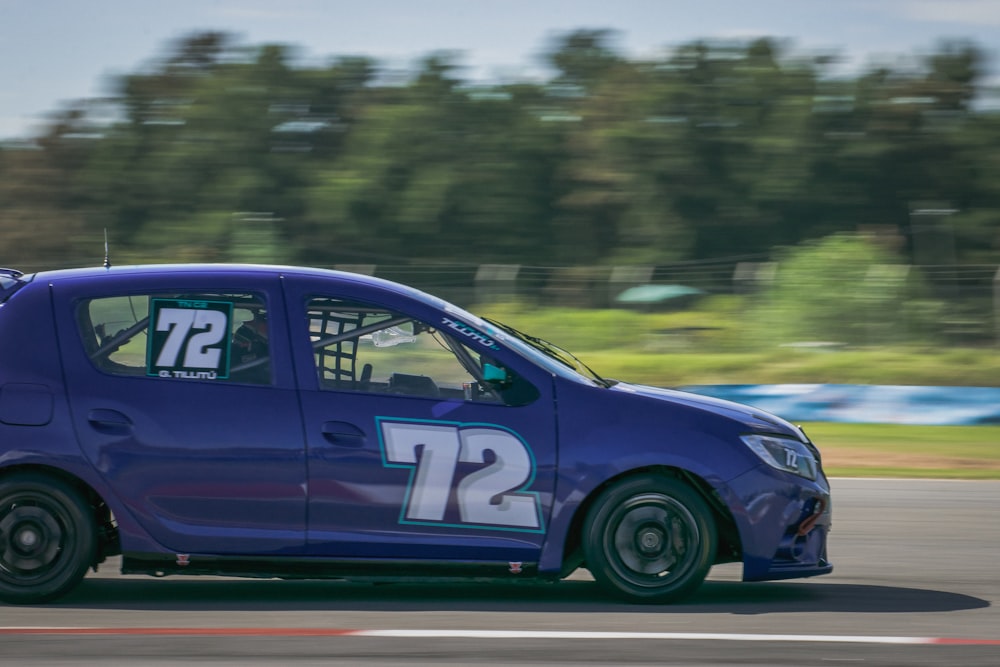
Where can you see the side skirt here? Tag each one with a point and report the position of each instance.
(283, 567)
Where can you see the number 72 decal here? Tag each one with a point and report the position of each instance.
(189, 338)
(491, 496)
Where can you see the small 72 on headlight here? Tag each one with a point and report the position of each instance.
(783, 454)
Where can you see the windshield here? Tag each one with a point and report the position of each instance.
(553, 351)
(522, 346)
(550, 357)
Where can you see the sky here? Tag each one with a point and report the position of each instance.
(55, 51)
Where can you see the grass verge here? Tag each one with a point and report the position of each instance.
(893, 450)
(715, 345)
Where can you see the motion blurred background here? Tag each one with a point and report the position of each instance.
(718, 209)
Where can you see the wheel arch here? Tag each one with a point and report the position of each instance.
(729, 548)
(108, 543)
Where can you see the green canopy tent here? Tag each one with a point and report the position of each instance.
(649, 296)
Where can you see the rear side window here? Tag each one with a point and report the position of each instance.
(219, 337)
(10, 282)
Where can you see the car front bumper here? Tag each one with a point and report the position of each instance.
(783, 522)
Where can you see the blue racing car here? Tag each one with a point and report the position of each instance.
(303, 423)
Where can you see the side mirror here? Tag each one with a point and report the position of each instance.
(493, 373)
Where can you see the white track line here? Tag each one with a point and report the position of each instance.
(493, 634)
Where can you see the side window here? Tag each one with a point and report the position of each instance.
(366, 348)
(215, 337)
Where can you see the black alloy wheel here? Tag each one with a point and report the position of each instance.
(650, 538)
(47, 538)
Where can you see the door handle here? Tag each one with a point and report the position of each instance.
(344, 434)
(109, 421)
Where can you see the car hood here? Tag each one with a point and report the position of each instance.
(758, 420)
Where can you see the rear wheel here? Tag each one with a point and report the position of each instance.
(650, 538)
(47, 538)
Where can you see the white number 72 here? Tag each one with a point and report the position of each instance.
(180, 321)
(492, 495)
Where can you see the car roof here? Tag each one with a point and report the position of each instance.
(192, 269)
(88, 274)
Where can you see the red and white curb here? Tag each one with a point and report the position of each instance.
(494, 634)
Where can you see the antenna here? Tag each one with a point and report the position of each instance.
(107, 255)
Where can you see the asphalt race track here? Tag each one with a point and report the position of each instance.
(916, 582)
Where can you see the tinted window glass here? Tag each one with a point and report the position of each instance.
(11, 281)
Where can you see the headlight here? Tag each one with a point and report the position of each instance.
(784, 454)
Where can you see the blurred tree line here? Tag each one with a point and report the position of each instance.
(222, 151)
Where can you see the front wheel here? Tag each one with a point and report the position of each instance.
(47, 538)
(650, 538)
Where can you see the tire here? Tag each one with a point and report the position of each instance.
(650, 539)
(47, 538)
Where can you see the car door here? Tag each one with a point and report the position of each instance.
(411, 454)
(201, 444)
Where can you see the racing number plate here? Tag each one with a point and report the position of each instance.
(189, 338)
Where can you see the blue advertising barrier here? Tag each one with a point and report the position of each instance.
(866, 403)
